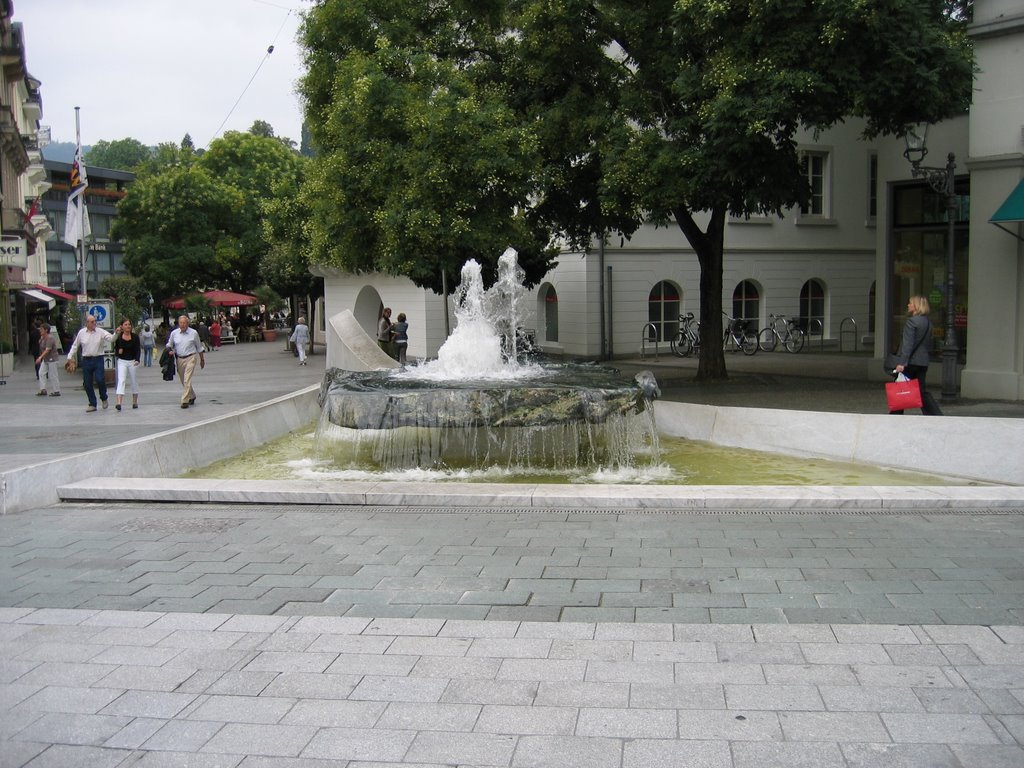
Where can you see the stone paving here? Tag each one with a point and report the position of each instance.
(252, 636)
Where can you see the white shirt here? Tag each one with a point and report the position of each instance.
(185, 343)
(91, 342)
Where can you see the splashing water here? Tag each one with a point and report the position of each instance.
(485, 344)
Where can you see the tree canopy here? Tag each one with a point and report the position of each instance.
(121, 154)
(450, 129)
(197, 223)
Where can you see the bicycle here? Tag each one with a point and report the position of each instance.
(791, 335)
(736, 332)
(687, 338)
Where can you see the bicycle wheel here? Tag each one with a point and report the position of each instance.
(767, 339)
(749, 343)
(796, 340)
(680, 345)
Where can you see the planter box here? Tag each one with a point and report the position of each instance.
(6, 364)
(269, 334)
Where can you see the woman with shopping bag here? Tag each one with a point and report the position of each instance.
(913, 357)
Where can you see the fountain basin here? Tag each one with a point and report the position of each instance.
(560, 416)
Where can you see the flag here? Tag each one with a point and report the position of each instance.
(76, 224)
(33, 210)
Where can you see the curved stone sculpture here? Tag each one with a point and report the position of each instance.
(351, 348)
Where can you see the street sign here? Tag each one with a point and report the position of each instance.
(103, 311)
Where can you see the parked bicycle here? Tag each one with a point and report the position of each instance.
(736, 332)
(687, 338)
(779, 329)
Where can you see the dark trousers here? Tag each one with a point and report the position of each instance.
(93, 377)
(928, 405)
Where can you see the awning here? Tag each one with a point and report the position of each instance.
(216, 299)
(1011, 211)
(39, 296)
(55, 293)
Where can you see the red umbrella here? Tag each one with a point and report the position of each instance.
(217, 299)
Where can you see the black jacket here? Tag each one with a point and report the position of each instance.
(167, 365)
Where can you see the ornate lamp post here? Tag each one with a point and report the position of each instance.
(943, 181)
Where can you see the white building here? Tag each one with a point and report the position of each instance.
(873, 236)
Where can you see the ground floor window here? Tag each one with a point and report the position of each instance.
(920, 258)
(812, 307)
(746, 304)
(663, 312)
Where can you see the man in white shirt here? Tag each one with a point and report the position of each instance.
(184, 344)
(92, 341)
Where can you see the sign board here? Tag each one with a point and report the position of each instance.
(103, 311)
(14, 253)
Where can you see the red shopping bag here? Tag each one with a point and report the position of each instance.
(903, 394)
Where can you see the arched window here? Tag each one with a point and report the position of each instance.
(812, 307)
(663, 311)
(550, 296)
(746, 304)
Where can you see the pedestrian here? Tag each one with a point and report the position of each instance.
(914, 355)
(184, 344)
(48, 362)
(148, 339)
(127, 351)
(92, 341)
(401, 329)
(204, 334)
(384, 335)
(215, 334)
(300, 338)
(34, 334)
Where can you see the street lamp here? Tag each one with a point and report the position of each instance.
(943, 181)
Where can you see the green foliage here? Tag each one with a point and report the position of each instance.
(6, 347)
(271, 301)
(123, 154)
(197, 304)
(197, 222)
(422, 163)
(129, 294)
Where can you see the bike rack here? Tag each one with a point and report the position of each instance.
(842, 330)
(812, 324)
(643, 340)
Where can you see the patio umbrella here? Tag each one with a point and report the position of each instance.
(216, 299)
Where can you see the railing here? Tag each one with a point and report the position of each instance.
(814, 325)
(643, 340)
(842, 330)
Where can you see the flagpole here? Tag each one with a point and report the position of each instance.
(82, 289)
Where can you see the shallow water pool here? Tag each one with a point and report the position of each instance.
(684, 462)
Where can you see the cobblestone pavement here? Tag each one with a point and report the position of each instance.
(246, 636)
(177, 635)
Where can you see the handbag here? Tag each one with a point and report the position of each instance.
(903, 394)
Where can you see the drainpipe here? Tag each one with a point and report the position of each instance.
(600, 298)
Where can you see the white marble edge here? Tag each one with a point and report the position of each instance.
(541, 497)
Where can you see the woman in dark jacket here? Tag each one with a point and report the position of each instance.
(127, 354)
(914, 353)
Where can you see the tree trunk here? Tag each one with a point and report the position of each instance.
(708, 246)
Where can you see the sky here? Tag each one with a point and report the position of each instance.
(154, 70)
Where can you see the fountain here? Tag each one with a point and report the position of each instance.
(484, 403)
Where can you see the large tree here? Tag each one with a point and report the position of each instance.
(421, 162)
(198, 222)
(594, 116)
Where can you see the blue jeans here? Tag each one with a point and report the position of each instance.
(92, 377)
(147, 356)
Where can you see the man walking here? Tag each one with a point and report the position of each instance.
(47, 362)
(184, 344)
(92, 340)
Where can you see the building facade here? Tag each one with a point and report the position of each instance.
(872, 235)
(23, 229)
